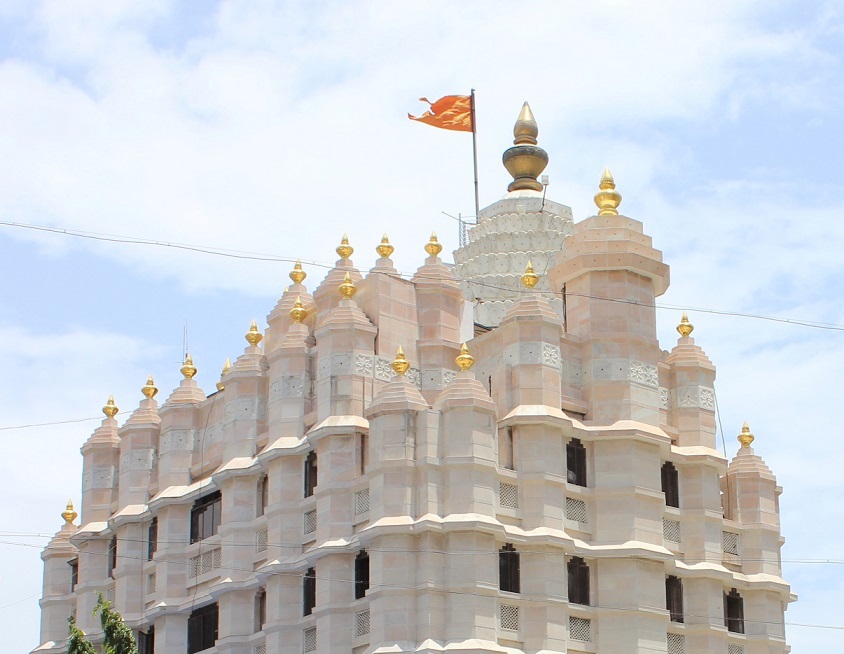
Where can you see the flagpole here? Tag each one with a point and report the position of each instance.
(475, 156)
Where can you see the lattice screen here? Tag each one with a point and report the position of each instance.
(576, 510)
(509, 617)
(309, 639)
(508, 495)
(580, 629)
(151, 579)
(260, 649)
(110, 596)
(730, 542)
(204, 563)
(362, 623)
(676, 644)
(261, 540)
(310, 521)
(735, 649)
(671, 530)
(362, 501)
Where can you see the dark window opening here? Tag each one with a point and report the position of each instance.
(202, 628)
(146, 641)
(361, 574)
(364, 451)
(670, 484)
(578, 574)
(309, 592)
(734, 612)
(310, 473)
(260, 609)
(674, 598)
(152, 539)
(112, 556)
(509, 577)
(205, 517)
(74, 573)
(507, 453)
(263, 495)
(563, 294)
(576, 463)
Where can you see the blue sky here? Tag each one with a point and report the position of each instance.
(275, 127)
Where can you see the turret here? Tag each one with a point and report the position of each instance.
(61, 570)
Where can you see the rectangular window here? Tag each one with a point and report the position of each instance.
(146, 641)
(152, 539)
(734, 612)
(364, 453)
(263, 495)
(203, 624)
(112, 556)
(74, 573)
(578, 581)
(205, 517)
(509, 575)
(507, 453)
(670, 485)
(310, 473)
(576, 463)
(309, 592)
(674, 598)
(260, 609)
(361, 574)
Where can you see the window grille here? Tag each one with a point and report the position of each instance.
(576, 510)
(735, 649)
(261, 541)
(508, 495)
(309, 640)
(110, 596)
(730, 542)
(204, 563)
(580, 629)
(362, 501)
(676, 644)
(73, 611)
(260, 649)
(671, 530)
(151, 579)
(509, 617)
(362, 623)
(310, 521)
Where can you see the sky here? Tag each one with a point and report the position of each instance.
(272, 128)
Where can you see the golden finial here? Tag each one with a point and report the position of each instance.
(110, 408)
(685, 327)
(400, 365)
(530, 278)
(745, 437)
(149, 390)
(69, 514)
(525, 160)
(464, 360)
(344, 250)
(384, 249)
(347, 288)
(607, 199)
(253, 336)
(297, 274)
(433, 247)
(227, 368)
(298, 312)
(188, 370)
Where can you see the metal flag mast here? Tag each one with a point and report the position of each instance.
(475, 154)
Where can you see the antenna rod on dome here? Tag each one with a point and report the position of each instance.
(475, 156)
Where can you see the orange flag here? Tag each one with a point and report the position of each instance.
(450, 112)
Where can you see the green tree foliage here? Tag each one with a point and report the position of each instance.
(117, 637)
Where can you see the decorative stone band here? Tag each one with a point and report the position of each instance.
(137, 460)
(289, 386)
(664, 395)
(99, 477)
(247, 408)
(620, 370)
(175, 440)
(695, 397)
(532, 353)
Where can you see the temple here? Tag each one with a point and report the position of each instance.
(363, 481)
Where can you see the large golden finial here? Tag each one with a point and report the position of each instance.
(433, 247)
(188, 370)
(227, 368)
(347, 288)
(607, 199)
(69, 514)
(298, 312)
(525, 160)
(530, 278)
(149, 390)
(464, 360)
(297, 274)
(384, 249)
(253, 336)
(685, 327)
(344, 250)
(400, 364)
(745, 437)
(110, 408)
